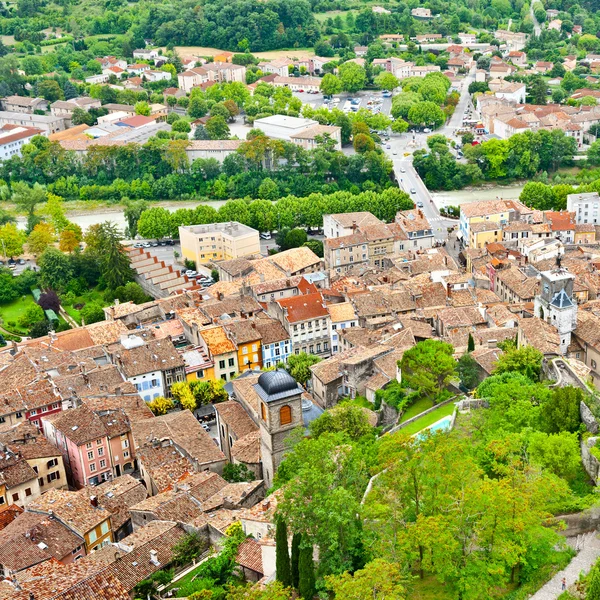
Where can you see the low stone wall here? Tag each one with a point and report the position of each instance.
(387, 416)
(472, 403)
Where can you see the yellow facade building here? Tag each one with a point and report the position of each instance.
(218, 241)
(246, 336)
(484, 232)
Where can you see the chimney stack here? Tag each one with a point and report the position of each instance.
(154, 558)
(94, 501)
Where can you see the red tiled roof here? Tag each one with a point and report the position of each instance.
(303, 308)
(250, 556)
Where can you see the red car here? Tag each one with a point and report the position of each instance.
(301, 91)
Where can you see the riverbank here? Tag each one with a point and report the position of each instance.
(476, 194)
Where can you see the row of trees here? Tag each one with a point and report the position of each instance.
(290, 212)
(522, 156)
(161, 169)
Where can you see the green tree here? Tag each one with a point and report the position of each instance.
(593, 583)
(470, 343)
(155, 223)
(11, 240)
(272, 591)
(208, 392)
(558, 453)
(379, 580)
(161, 405)
(49, 90)
(142, 108)
(526, 360)
(282, 555)
(426, 114)
(268, 189)
(353, 77)
(294, 239)
(330, 84)
(468, 371)
(363, 143)
(181, 126)
(428, 367)
(537, 90)
(295, 559)
(298, 366)
(387, 81)
(92, 312)
(33, 314)
(316, 246)
(344, 418)
(306, 570)
(183, 394)
(538, 195)
(56, 271)
(132, 213)
(593, 153)
(40, 238)
(236, 473)
(561, 412)
(28, 197)
(217, 128)
(189, 548)
(105, 247)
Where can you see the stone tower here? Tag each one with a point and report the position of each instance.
(555, 304)
(279, 411)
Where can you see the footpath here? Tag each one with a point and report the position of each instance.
(582, 563)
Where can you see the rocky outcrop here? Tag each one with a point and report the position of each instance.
(588, 418)
(590, 462)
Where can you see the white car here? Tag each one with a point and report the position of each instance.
(402, 170)
(191, 273)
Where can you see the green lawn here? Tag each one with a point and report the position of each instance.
(417, 408)
(92, 295)
(10, 313)
(429, 419)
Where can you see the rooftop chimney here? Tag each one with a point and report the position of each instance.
(154, 558)
(94, 501)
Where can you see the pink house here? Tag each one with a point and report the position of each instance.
(29, 402)
(95, 447)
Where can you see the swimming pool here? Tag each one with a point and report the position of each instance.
(443, 424)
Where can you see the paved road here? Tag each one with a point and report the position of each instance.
(581, 563)
(537, 29)
(407, 177)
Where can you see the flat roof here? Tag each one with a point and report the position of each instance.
(285, 121)
(232, 228)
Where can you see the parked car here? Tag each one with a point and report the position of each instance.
(190, 273)
(419, 204)
(266, 235)
(413, 191)
(22, 261)
(205, 427)
(402, 169)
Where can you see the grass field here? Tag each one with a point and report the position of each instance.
(417, 408)
(429, 588)
(13, 310)
(429, 419)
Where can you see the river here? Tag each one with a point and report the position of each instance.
(85, 218)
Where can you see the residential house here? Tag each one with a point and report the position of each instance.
(586, 207)
(151, 366)
(425, 38)
(341, 316)
(345, 253)
(542, 66)
(13, 138)
(247, 338)
(22, 104)
(218, 241)
(541, 335)
(417, 229)
(145, 54)
(306, 320)
(276, 345)
(517, 57)
(172, 445)
(18, 481)
(513, 92)
(34, 538)
(484, 233)
(82, 437)
(44, 458)
(138, 69)
(513, 285)
(499, 211)
(467, 38)
(313, 137)
(344, 224)
(222, 352)
(421, 13)
(117, 497)
(82, 516)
